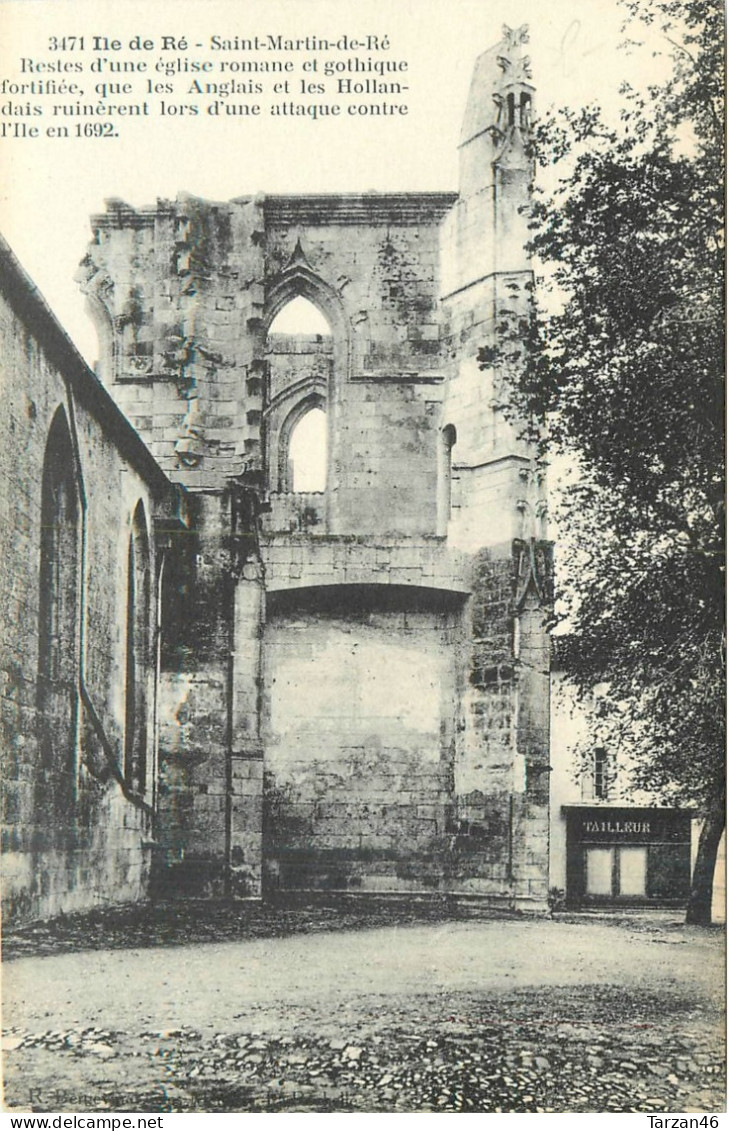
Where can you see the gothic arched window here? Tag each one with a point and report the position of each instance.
(300, 316)
(299, 346)
(139, 653)
(57, 698)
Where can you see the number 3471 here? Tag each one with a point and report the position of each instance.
(66, 43)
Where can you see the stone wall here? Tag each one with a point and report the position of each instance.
(353, 677)
(75, 828)
(359, 693)
(194, 702)
(183, 295)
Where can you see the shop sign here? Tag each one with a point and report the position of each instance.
(608, 825)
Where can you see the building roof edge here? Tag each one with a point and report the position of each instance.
(31, 307)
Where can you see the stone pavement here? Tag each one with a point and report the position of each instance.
(409, 1009)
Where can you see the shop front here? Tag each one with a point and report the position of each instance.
(623, 857)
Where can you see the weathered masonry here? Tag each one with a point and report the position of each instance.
(81, 497)
(274, 607)
(354, 663)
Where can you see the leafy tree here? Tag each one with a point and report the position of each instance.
(623, 360)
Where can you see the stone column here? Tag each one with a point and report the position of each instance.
(246, 752)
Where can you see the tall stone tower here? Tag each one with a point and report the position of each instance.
(498, 495)
(354, 664)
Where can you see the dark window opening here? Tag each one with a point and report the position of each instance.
(601, 775)
(58, 628)
(138, 654)
(525, 111)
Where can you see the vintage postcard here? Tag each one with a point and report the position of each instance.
(302, 809)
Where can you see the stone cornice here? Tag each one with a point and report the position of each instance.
(339, 209)
(359, 208)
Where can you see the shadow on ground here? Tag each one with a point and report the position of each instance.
(179, 923)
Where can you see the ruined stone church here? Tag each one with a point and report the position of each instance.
(234, 668)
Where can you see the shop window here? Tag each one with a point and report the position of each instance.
(628, 855)
(599, 871)
(632, 870)
(307, 452)
(138, 654)
(618, 871)
(58, 623)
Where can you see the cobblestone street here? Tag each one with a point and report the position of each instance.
(399, 1010)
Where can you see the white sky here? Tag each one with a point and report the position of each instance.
(52, 186)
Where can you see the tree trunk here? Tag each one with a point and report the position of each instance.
(702, 880)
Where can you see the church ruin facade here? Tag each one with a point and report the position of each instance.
(339, 679)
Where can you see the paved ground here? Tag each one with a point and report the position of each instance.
(398, 1010)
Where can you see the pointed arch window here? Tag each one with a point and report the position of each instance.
(138, 653)
(300, 316)
(300, 346)
(58, 606)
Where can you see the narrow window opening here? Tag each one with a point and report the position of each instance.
(525, 111)
(300, 351)
(449, 440)
(58, 627)
(307, 454)
(511, 108)
(601, 775)
(131, 672)
(138, 655)
(445, 477)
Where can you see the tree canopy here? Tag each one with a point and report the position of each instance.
(624, 361)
